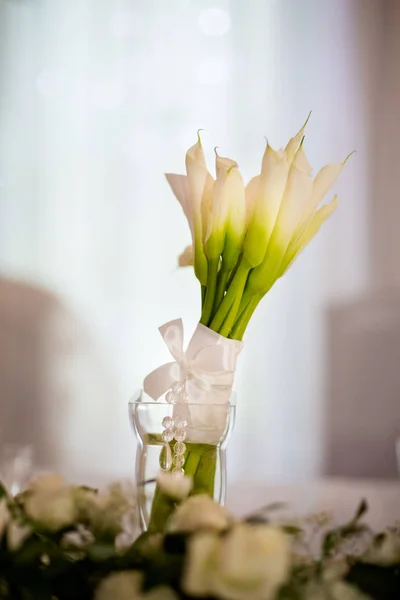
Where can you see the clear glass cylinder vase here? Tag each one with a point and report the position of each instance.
(188, 438)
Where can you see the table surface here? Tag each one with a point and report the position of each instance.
(339, 496)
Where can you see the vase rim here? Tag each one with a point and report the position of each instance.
(140, 397)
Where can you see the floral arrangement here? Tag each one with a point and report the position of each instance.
(244, 238)
(62, 542)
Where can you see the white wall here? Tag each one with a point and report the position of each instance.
(98, 99)
(363, 416)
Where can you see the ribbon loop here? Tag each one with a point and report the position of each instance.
(208, 364)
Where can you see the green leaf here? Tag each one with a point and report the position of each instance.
(3, 491)
(166, 570)
(259, 515)
(380, 583)
(335, 537)
(361, 510)
(292, 529)
(99, 552)
(257, 519)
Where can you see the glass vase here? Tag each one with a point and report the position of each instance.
(189, 438)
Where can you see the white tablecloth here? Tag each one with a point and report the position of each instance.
(336, 495)
(340, 496)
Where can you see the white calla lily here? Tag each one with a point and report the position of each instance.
(303, 240)
(224, 187)
(297, 191)
(225, 232)
(197, 176)
(267, 201)
(250, 235)
(323, 181)
(236, 219)
(193, 192)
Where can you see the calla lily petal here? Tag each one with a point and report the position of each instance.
(186, 258)
(297, 193)
(294, 249)
(302, 161)
(321, 185)
(251, 194)
(206, 204)
(293, 144)
(236, 219)
(197, 174)
(224, 188)
(323, 182)
(268, 197)
(180, 187)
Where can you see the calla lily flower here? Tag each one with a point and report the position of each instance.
(297, 221)
(227, 222)
(193, 193)
(245, 238)
(268, 193)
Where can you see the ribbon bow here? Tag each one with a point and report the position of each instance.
(208, 365)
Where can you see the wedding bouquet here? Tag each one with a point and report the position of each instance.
(244, 238)
(66, 542)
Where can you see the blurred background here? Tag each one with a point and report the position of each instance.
(98, 98)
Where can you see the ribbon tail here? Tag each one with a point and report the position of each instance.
(172, 334)
(160, 380)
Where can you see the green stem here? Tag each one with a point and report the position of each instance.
(191, 463)
(233, 272)
(221, 285)
(247, 296)
(240, 326)
(210, 292)
(201, 464)
(230, 318)
(203, 295)
(204, 477)
(161, 509)
(235, 289)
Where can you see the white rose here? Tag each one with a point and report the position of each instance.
(47, 482)
(176, 486)
(16, 535)
(4, 516)
(199, 512)
(250, 561)
(127, 585)
(53, 510)
(129, 532)
(78, 538)
(202, 554)
(385, 551)
(105, 510)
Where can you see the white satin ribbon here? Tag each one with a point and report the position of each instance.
(207, 367)
(207, 370)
